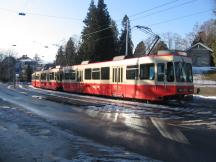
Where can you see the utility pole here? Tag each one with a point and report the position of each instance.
(126, 45)
(14, 75)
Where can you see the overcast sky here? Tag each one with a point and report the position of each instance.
(51, 22)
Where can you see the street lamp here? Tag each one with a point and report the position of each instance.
(14, 71)
(21, 14)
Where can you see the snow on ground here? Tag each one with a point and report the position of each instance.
(205, 97)
(204, 83)
(199, 79)
(203, 70)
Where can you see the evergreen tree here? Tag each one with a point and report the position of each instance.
(105, 43)
(60, 57)
(99, 36)
(122, 41)
(87, 45)
(115, 37)
(8, 69)
(213, 46)
(29, 72)
(140, 49)
(70, 52)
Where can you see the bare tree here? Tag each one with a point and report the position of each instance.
(192, 35)
(168, 39)
(174, 41)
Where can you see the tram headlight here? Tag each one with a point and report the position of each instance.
(190, 90)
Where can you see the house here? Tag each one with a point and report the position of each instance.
(25, 65)
(201, 54)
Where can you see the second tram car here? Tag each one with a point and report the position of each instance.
(154, 77)
(36, 79)
(48, 79)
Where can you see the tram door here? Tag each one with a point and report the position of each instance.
(117, 79)
(79, 80)
(165, 76)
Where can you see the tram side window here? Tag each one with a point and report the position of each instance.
(188, 71)
(72, 74)
(43, 76)
(66, 76)
(105, 72)
(96, 73)
(51, 76)
(147, 71)
(33, 77)
(37, 77)
(55, 76)
(59, 76)
(160, 72)
(79, 75)
(170, 72)
(120, 75)
(113, 76)
(69, 75)
(183, 72)
(47, 77)
(88, 74)
(132, 72)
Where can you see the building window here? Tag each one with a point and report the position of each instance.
(132, 72)
(147, 71)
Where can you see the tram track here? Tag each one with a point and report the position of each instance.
(167, 111)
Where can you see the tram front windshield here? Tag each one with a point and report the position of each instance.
(183, 72)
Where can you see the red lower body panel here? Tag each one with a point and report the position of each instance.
(146, 92)
(51, 85)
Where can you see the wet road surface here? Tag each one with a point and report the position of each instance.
(173, 132)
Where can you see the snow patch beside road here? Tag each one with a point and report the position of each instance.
(205, 97)
(203, 70)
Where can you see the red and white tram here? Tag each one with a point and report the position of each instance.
(48, 79)
(154, 77)
(36, 79)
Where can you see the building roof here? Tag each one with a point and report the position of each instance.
(25, 58)
(201, 44)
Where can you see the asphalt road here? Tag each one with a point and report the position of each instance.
(177, 132)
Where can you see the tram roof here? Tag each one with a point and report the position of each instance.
(161, 53)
